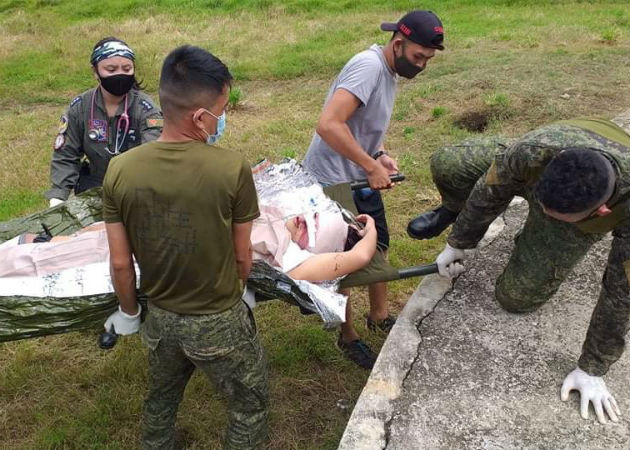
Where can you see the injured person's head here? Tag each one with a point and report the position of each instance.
(319, 232)
(312, 246)
(303, 232)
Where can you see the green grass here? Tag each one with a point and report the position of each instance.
(497, 99)
(289, 152)
(438, 112)
(510, 60)
(610, 35)
(235, 98)
(19, 201)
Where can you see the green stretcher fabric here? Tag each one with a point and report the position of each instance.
(64, 219)
(24, 317)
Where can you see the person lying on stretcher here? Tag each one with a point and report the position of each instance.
(311, 246)
(31, 255)
(325, 252)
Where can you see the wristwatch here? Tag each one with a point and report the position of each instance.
(378, 154)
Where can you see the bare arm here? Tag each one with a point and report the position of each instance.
(335, 132)
(121, 267)
(328, 266)
(241, 234)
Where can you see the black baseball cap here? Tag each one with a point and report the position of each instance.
(421, 27)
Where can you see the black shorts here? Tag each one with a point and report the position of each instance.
(370, 202)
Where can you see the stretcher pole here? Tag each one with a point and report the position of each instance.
(417, 271)
(361, 184)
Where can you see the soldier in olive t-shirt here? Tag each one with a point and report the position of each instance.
(184, 207)
(183, 245)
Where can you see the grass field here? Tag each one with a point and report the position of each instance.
(509, 66)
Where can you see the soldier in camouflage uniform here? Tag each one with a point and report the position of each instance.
(184, 207)
(89, 136)
(478, 179)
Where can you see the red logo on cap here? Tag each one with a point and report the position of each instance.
(404, 29)
(438, 30)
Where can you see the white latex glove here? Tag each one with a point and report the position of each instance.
(592, 389)
(249, 297)
(450, 262)
(54, 202)
(124, 323)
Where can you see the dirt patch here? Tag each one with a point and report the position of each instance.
(477, 121)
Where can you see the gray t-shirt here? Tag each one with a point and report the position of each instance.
(370, 79)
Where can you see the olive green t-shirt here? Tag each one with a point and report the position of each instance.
(177, 201)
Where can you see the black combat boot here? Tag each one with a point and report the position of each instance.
(431, 223)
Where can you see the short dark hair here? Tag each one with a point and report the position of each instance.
(397, 34)
(574, 181)
(190, 77)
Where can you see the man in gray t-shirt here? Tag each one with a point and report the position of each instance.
(372, 82)
(348, 143)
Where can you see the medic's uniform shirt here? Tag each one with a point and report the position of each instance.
(88, 135)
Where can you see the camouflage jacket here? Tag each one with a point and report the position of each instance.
(516, 170)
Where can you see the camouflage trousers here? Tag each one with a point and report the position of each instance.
(456, 168)
(546, 249)
(226, 349)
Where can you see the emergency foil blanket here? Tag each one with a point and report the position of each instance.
(290, 189)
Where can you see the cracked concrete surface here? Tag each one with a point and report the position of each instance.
(458, 372)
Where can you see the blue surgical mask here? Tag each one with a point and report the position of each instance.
(213, 138)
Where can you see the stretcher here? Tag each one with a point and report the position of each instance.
(26, 316)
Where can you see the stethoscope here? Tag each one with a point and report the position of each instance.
(122, 123)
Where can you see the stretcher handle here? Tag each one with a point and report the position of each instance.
(360, 184)
(417, 271)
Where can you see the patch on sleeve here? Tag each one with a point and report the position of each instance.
(63, 124)
(155, 123)
(76, 100)
(59, 141)
(146, 106)
(626, 267)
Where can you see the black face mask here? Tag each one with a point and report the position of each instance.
(404, 68)
(118, 84)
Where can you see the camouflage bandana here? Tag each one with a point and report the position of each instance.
(109, 50)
